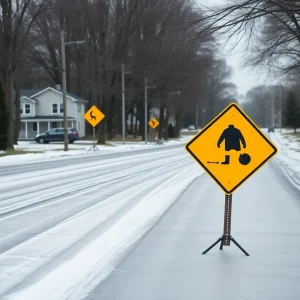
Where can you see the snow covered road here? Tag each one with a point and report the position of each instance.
(66, 225)
(131, 226)
(168, 263)
(17, 166)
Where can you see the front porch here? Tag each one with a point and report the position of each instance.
(30, 127)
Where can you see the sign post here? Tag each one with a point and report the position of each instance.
(153, 123)
(94, 116)
(227, 220)
(231, 148)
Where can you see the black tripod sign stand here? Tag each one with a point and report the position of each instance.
(94, 147)
(226, 237)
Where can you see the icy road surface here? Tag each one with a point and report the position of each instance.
(134, 227)
(168, 265)
(63, 228)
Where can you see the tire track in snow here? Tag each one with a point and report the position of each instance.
(19, 181)
(87, 268)
(160, 177)
(31, 199)
(127, 183)
(54, 163)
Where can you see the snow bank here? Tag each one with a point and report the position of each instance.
(288, 157)
(288, 146)
(55, 150)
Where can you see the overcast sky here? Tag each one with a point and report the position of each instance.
(245, 79)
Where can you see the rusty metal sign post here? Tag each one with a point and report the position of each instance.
(226, 237)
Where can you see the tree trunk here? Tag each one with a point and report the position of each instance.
(177, 132)
(102, 126)
(141, 112)
(131, 122)
(10, 111)
(3, 120)
(126, 123)
(166, 125)
(135, 126)
(161, 121)
(110, 118)
(17, 118)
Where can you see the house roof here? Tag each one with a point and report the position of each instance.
(29, 99)
(31, 93)
(46, 118)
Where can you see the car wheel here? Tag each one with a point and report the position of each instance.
(41, 141)
(71, 141)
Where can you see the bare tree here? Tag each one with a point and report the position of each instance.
(15, 25)
(270, 26)
(152, 40)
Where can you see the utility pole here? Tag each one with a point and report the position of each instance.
(146, 110)
(272, 109)
(197, 124)
(280, 107)
(203, 113)
(146, 107)
(123, 104)
(64, 81)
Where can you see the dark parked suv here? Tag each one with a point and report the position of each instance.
(57, 135)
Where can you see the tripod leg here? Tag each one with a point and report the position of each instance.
(222, 242)
(239, 246)
(214, 244)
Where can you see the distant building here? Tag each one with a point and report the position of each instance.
(42, 109)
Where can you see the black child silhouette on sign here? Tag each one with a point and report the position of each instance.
(233, 138)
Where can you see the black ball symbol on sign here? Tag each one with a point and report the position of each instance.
(244, 159)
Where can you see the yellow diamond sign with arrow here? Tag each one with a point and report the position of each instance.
(153, 123)
(94, 116)
(231, 148)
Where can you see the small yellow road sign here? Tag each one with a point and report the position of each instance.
(231, 148)
(153, 123)
(94, 116)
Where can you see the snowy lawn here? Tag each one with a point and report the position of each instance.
(28, 151)
(288, 157)
(288, 143)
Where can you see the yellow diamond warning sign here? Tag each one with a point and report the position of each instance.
(153, 123)
(94, 116)
(231, 148)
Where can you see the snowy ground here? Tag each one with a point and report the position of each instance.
(63, 230)
(66, 224)
(78, 149)
(288, 157)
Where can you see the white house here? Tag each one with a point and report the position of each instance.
(42, 109)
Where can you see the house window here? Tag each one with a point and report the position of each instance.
(80, 108)
(27, 109)
(56, 106)
(34, 126)
(54, 125)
